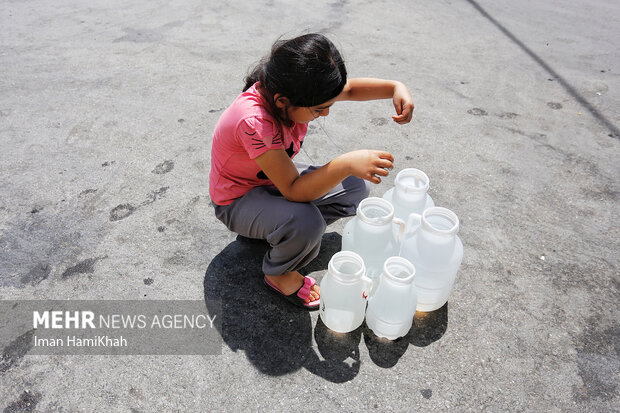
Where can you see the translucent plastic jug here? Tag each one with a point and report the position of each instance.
(344, 292)
(392, 306)
(409, 193)
(432, 246)
(370, 234)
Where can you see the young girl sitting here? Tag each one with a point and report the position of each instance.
(257, 190)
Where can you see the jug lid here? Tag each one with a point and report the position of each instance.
(412, 180)
(346, 266)
(375, 211)
(399, 269)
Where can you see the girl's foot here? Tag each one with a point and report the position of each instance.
(292, 281)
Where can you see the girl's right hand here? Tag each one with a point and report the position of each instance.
(369, 164)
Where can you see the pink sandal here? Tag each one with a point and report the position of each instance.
(298, 297)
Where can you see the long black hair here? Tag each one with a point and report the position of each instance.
(308, 70)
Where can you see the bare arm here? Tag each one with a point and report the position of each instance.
(365, 164)
(370, 89)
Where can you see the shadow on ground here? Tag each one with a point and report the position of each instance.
(276, 336)
(426, 329)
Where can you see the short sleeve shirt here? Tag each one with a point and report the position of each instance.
(245, 131)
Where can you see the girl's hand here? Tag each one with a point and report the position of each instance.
(369, 164)
(403, 103)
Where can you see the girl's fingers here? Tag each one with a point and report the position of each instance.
(398, 105)
(405, 115)
(381, 171)
(374, 179)
(384, 164)
(385, 155)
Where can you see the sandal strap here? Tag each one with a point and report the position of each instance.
(304, 291)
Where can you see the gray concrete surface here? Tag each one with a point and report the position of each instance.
(106, 114)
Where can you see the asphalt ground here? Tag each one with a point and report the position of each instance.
(106, 116)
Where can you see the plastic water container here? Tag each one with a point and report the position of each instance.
(432, 246)
(370, 234)
(344, 292)
(393, 304)
(410, 193)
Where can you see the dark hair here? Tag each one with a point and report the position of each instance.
(308, 70)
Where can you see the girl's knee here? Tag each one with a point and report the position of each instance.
(366, 189)
(309, 222)
(357, 189)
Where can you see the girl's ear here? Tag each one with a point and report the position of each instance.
(281, 102)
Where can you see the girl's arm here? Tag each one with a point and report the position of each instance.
(279, 168)
(370, 89)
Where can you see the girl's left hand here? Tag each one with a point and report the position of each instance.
(403, 103)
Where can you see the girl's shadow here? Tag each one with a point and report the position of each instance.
(275, 335)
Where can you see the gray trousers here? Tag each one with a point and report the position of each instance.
(293, 229)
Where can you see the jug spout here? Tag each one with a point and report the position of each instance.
(411, 186)
(410, 193)
(437, 233)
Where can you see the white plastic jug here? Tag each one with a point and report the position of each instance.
(370, 235)
(392, 306)
(409, 193)
(432, 246)
(344, 292)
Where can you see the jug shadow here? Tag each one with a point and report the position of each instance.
(275, 335)
(426, 329)
(340, 352)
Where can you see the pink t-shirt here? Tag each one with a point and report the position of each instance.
(245, 131)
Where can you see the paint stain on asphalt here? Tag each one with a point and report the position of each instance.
(27, 402)
(121, 212)
(37, 274)
(164, 167)
(83, 267)
(477, 112)
(87, 191)
(507, 115)
(426, 393)
(16, 350)
(155, 195)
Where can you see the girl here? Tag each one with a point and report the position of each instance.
(257, 190)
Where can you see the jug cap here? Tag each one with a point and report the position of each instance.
(412, 180)
(440, 221)
(395, 267)
(375, 211)
(347, 266)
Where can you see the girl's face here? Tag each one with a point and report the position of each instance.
(300, 114)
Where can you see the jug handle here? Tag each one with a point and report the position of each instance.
(402, 225)
(410, 221)
(368, 286)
